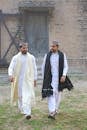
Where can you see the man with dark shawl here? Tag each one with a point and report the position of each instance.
(54, 70)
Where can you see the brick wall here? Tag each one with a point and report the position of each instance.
(68, 23)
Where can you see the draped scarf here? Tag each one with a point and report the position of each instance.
(47, 89)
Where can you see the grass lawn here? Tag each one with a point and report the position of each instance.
(72, 115)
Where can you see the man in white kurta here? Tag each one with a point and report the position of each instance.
(22, 72)
(54, 100)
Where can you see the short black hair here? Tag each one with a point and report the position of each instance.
(23, 44)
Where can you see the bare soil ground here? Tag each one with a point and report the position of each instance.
(80, 84)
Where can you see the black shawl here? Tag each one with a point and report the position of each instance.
(47, 89)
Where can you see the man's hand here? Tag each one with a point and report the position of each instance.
(62, 79)
(34, 83)
(11, 78)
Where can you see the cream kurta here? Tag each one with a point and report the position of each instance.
(23, 68)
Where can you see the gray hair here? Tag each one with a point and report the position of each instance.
(56, 42)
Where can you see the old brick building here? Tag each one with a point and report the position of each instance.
(39, 22)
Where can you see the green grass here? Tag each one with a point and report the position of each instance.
(70, 119)
(72, 116)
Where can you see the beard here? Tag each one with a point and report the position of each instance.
(24, 52)
(52, 50)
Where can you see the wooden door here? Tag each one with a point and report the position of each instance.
(36, 32)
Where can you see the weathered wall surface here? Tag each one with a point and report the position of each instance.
(68, 24)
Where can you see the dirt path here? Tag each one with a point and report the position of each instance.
(4, 93)
(79, 84)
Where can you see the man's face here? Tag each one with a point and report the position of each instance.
(54, 48)
(24, 49)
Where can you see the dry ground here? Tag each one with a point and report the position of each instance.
(80, 84)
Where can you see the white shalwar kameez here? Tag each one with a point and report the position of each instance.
(24, 108)
(54, 100)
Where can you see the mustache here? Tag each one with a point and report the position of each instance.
(24, 52)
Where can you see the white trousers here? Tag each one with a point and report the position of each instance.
(54, 101)
(24, 108)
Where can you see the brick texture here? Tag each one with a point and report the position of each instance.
(68, 24)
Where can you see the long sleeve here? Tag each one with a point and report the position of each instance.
(43, 65)
(35, 68)
(11, 66)
(65, 70)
